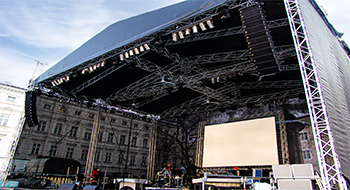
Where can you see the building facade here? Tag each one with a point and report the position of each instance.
(11, 119)
(65, 129)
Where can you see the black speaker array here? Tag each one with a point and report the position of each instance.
(30, 109)
(259, 40)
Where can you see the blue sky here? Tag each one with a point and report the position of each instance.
(48, 30)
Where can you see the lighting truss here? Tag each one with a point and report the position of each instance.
(196, 105)
(326, 154)
(224, 32)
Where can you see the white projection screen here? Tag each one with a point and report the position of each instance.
(242, 143)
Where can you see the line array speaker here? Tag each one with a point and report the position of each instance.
(259, 40)
(30, 109)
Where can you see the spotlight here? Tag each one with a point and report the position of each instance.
(53, 84)
(103, 63)
(202, 26)
(213, 80)
(67, 78)
(174, 37)
(136, 51)
(187, 31)
(131, 52)
(195, 29)
(217, 79)
(181, 34)
(142, 49)
(91, 69)
(121, 56)
(126, 55)
(210, 24)
(147, 47)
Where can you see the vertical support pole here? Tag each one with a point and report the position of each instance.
(92, 146)
(128, 148)
(152, 151)
(200, 141)
(283, 138)
(324, 142)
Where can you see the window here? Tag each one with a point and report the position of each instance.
(133, 141)
(136, 125)
(122, 139)
(11, 98)
(84, 153)
(73, 131)
(145, 143)
(304, 136)
(144, 160)
(97, 155)
(35, 148)
(124, 122)
(110, 137)
(307, 154)
(120, 158)
(91, 115)
(108, 157)
(4, 119)
(87, 135)
(62, 110)
(113, 120)
(41, 126)
(77, 112)
(69, 152)
(100, 135)
(47, 106)
(132, 159)
(58, 128)
(53, 150)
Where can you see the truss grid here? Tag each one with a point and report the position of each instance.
(327, 156)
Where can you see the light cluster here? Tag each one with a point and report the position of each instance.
(182, 33)
(135, 51)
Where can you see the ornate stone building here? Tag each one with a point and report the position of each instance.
(11, 118)
(64, 131)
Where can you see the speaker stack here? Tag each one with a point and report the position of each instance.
(30, 109)
(259, 40)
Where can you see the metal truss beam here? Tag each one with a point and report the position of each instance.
(198, 105)
(97, 78)
(223, 32)
(197, 18)
(270, 84)
(326, 153)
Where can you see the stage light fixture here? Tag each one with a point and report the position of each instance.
(103, 63)
(181, 35)
(136, 51)
(202, 26)
(147, 47)
(131, 52)
(121, 56)
(213, 80)
(142, 49)
(67, 78)
(187, 31)
(53, 84)
(91, 69)
(126, 55)
(195, 29)
(94, 67)
(217, 79)
(174, 37)
(210, 24)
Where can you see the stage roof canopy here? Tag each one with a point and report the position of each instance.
(189, 57)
